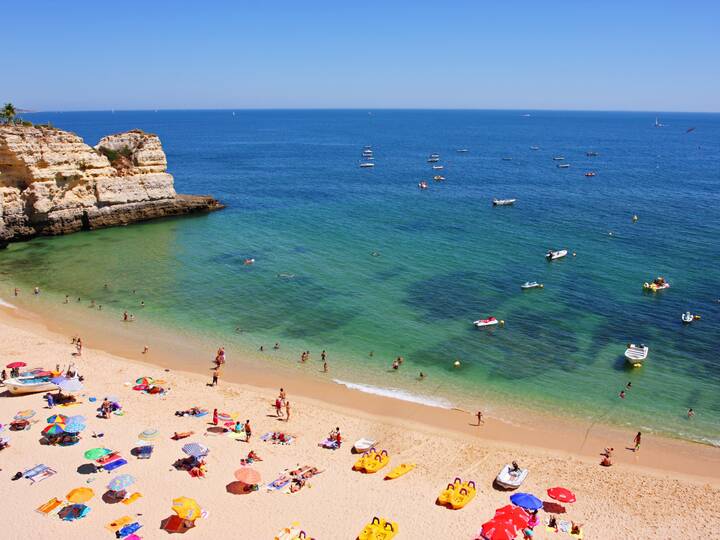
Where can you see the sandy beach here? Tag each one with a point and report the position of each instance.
(664, 491)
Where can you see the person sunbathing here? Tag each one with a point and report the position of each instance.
(296, 485)
(182, 435)
(576, 528)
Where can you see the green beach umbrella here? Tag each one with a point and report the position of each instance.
(97, 453)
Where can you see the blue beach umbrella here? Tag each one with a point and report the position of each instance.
(121, 482)
(195, 450)
(74, 427)
(526, 500)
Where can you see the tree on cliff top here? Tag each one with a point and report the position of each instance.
(8, 113)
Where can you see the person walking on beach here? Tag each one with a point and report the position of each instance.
(248, 431)
(278, 407)
(637, 441)
(325, 367)
(146, 349)
(479, 418)
(282, 394)
(287, 411)
(78, 346)
(215, 417)
(17, 291)
(216, 374)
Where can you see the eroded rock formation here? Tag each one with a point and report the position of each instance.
(51, 182)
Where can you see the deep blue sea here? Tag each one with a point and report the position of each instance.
(300, 205)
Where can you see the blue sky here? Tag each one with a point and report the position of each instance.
(606, 55)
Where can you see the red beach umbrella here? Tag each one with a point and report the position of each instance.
(247, 476)
(561, 494)
(496, 529)
(513, 514)
(13, 365)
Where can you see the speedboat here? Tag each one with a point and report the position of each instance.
(534, 148)
(511, 476)
(30, 384)
(658, 284)
(438, 178)
(461, 150)
(552, 255)
(688, 317)
(423, 185)
(366, 165)
(490, 321)
(438, 167)
(591, 154)
(507, 159)
(558, 158)
(433, 159)
(563, 166)
(589, 174)
(532, 285)
(503, 202)
(636, 354)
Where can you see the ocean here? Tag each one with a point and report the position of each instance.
(363, 264)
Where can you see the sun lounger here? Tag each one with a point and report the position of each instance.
(132, 498)
(114, 465)
(39, 473)
(50, 507)
(118, 524)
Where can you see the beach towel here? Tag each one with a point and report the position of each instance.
(50, 507)
(114, 465)
(132, 498)
(330, 444)
(279, 483)
(128, 530)
(564, 526)
(118, 524)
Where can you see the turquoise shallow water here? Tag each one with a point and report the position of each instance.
(299, 204)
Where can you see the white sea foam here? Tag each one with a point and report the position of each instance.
(397, 393)
(3, 303)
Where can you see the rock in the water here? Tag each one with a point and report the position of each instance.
(51, 182)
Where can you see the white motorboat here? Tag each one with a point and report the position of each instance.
(688, 317)
(29, 385)
(552, 255)
(363, 445)
(511, 476)
(636, 354)
(366, 165)
(490, 321)
(507, 159)
(438, 178)
(558, 158)
(532, 285)
(503, 202)
(462, 150)
(433, 159)
(437, 167)
(563, 166)
(534, 148)
(591, 154)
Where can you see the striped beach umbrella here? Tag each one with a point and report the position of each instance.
(149, 434)
(57, 419)
(54, 429)
(121, 482)
(144, 381)
(196, 450)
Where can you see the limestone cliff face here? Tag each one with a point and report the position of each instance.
(51, 182)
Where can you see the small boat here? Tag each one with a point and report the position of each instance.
(558, 158)
(438, 178)
(534, 148)
(367, 165)
(563, 166)
(636, 354)
(532, 285)
(558, 254)
(367, 152)
(423, 185)
(30, 384)
(507, 159)
(688, 317)
(399, 471)
(435, 154)
(635, 218)
(490, 321)
(657, 123)
(461, 150)
(432, 159)
(589, 174)
(511, 476)
(658, 284)
(503, 202)
(591, 154)
(437, 167)
(363, 445)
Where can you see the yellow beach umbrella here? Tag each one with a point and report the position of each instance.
(80, 495)
(186, 508)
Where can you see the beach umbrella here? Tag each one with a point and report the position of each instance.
(149, 434)
(73, 512)
(196, 450)
(513, 514)
(498, 530)
(119, 483)
(561, 494)
(27, 414)
(526, 500)
(144, 381)
(15, 365)
(186, 508)
(97, 453)
(68, 385)
(175, 524)
(80, 495)
(247, 476)
(74, 427)
(79, 418)
(57, 419)
(54, 429)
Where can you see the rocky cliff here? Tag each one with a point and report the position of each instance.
(52, 183)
